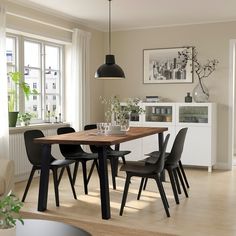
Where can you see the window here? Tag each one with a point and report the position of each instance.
(34, 85)
(11, 54)
(41, 64)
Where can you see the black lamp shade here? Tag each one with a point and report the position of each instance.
(110, 70)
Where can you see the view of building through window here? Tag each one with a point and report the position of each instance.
(41, 67)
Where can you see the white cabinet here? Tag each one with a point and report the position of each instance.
(200, 118)
(200, 143)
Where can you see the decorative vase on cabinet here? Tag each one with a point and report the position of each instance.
(200, 92)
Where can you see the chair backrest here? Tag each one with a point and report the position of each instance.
(34, 150)
(93, 148)
(178, 146)
(158, 166)
(67, 149)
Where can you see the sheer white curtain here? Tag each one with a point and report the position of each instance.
(4, 130)
(78, 102)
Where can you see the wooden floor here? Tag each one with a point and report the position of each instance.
(209, 210)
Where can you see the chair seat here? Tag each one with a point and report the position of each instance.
(139, 168)
(81, 155)
(114, 153)
(61, 163)
(153, 156)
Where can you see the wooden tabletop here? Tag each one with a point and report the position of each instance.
(90, 137)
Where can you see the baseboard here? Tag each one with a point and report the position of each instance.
(222, 166)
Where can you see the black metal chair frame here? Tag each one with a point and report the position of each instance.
(34, 151)
(112, 155)
(152, 171)
(77, 154)
(173, 165)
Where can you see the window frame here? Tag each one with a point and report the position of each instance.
(20, 39)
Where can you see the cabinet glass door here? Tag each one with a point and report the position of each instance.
(158, 113)
(196, 114)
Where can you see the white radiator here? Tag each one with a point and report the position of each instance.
(18, 153)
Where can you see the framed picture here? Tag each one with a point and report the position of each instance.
(163, 66)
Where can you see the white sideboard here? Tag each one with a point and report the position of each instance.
(200, 143)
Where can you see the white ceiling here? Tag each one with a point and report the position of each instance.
(133, 14)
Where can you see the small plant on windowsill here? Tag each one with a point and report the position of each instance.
(10, 207)
(25, 118)
(17, 79)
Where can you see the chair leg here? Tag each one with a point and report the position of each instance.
(115, 167)
(163, 191)
(28, 183)
(127, 182)
(85, 177)
(182, 182)
(163, 195)
(71, 181)
(91, 171)
(113, 172)
(177, 181)
(140, 188)
(75, 171)
(172, 181)
(60, 176)
(96, 163)
(54, 171)
(123, 160)
(183, 173)
(145, 184)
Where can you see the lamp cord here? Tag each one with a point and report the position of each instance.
(109, 26)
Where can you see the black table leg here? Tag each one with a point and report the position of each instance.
(44, 177)
(160, 143)
(104, 185)
(117, 148)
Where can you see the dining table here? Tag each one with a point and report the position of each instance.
(90, 137)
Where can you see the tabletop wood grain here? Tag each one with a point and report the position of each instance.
(90, 137)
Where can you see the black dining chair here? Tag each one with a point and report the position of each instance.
(34, 154)
(77, 154)
(112, 155)
(152, 171)
(172, 164)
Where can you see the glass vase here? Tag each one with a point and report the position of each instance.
(123, 121)
(200, 92)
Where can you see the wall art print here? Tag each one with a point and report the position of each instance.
(164, 66)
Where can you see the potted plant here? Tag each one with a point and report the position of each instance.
(200, 92)
(16, 78)
(10, 207)
(25, 118)
(119, 114)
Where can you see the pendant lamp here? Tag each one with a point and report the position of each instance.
(109, 70)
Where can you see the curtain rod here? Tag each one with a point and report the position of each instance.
(40, 22)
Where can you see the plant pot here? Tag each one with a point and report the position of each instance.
(8, 232)
(13, 118)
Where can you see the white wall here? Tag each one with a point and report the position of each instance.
(211, 41)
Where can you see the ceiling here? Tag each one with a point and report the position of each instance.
(134, 14)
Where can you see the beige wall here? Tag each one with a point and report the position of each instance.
(211, 41)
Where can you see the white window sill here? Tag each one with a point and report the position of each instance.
(41, 126)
